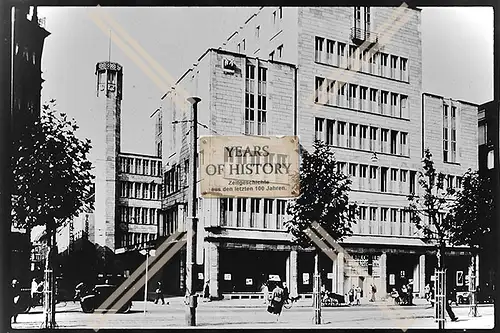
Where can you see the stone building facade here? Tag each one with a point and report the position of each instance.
(350, 76)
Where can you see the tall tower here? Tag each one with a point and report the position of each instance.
(108, 101)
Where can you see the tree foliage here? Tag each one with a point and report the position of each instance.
(472, 214)
(429, 210)
(52, 179)
(324, 197)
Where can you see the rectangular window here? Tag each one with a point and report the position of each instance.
(153, 168)
(341, 167)
(330, 126)
(404, 144)
(341, 94)
(318, 129)
(257, 32)
(352, 143)
(280, 216)
(383, 219)
(445, 133)
(353, 98)
(363, 141)
(145, 191)
(341, 136)
(138, 166)
(353, 64)
(341, 55)
(383, 180)
(384, 107)
(241, 208)
(394, 218)
(373, 139)
(383, 64)
(395, 111)
(243, 44)
(373, 220)
(373, 105)
(363, 177)
(394, 66)
(226, 210)
(403, 65)
(138, 190)
(153, 191)
(403, 174)
(404, 107)
(394, 180)
(413, 184)
(254, 212)
(146, 170)
(238, 48)
(250, 99)
(363, 95)
(330, 92)
(373, 178)
(318, 49)
(362, 219)
(384, 138)
(402, 222)
(453, 136)
(331, 59)
(268, 211)
(262, 101)
(482, 134)
(319, 90)
(271, 56)
(394, 142)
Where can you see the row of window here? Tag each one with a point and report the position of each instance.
(255, 95)
(139, 215)
(171, 223)
(132, 238)
(136, 190)
(176, 177)
(382, 64)
(357, 97)
(252, 213)
(278, 54)
(449, 133)
(277, 17)
(139, 166)
(384, 221)
(363, 137)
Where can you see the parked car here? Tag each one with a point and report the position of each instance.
(99, 294)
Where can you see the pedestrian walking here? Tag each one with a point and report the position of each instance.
(450, 312)
(265, 290)
(206, 291)
(277, 300)
(374, 291)
(15, 296)
(286, 293)
(427, 290)
(159, 294)
(404, 294)
(410, 292)
(358, 294)
(351, 295)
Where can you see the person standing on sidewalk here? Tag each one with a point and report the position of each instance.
(358, 294)
(265, 290)
(374, 291)
(159, 294)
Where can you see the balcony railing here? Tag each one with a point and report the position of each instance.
(359, 36)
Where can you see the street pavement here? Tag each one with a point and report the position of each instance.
(253, 314)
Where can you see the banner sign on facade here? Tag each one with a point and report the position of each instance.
(227, 277)
(249, 166)
(392, 279)
(305, 278)
(249, 282)
(329, 276)
(200, 276)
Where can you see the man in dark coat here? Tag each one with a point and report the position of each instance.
(452, 315)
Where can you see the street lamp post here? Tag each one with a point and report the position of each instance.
(147, 253)
(193, 225)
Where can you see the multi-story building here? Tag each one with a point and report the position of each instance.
(488, 140)
(28, 37)
(351, 77)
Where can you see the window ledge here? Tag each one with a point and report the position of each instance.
(362, 111)
(452, 163)
(369, 151)
(362, 72)
(380, 192)
(247, 228)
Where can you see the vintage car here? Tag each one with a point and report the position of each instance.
(100, 293)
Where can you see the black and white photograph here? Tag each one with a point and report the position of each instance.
(249, 167)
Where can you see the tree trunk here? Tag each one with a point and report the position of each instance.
(48, 299)
(317, 290)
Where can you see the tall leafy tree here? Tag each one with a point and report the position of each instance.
(324, 199)
(429, 209)
(472, 214)
(52, 175)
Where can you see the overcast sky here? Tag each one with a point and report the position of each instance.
(457, 51)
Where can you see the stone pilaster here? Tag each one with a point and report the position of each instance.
(421, 264)
(292, 285)
(212, 263)
(383, 275)
(339, 273)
